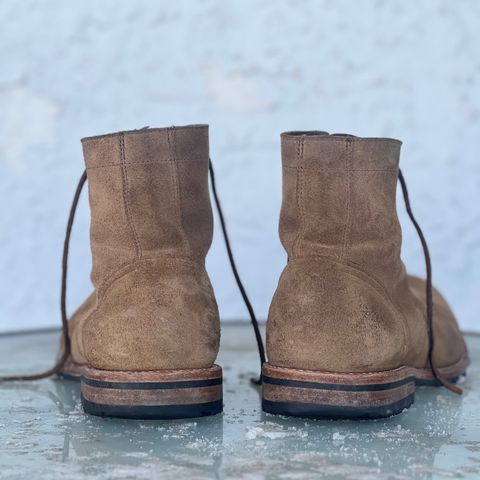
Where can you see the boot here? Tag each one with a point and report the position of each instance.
(349, 333)
(145, 342)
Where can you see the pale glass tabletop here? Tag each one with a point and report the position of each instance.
(45, 434)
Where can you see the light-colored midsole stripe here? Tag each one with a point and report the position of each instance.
(278, 393)
(182, 396)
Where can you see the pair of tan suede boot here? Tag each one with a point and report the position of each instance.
(349, 333)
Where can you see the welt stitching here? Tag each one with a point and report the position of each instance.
(451, 368)
(188, 370)
(348, 375)
(125, 186)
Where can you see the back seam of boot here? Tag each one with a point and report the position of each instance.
(126, 196)
(171, 138)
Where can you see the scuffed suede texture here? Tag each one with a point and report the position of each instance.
(151, 226)
(344, 302)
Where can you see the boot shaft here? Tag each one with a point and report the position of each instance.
(339, 200)
(149, 196)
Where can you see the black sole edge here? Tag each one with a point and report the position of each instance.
(436, 383)
(156, 412)
(70, 378)
(316, 411)
(153, 385)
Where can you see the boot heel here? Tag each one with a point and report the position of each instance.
(312, 394)
(158, 394)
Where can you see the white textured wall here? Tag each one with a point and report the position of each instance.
(250, 69)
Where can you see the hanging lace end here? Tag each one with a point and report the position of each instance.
(39, 376)
(241, 288)
(446, 383)
(429, 291)
(63, 302)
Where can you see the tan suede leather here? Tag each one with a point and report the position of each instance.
(344, 302)
(151, 226)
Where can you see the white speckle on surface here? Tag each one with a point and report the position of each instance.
(338, 437)
(272, 431)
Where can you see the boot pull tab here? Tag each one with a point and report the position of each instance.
(429, 292)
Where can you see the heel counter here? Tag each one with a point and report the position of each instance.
(158, 315)
(326, 316)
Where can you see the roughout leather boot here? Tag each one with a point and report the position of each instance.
(349, 333)
(145, 342)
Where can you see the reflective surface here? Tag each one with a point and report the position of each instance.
(45, 434)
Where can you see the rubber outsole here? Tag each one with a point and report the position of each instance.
(316, 411)
(163, 412)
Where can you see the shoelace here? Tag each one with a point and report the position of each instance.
(63, 297)
(63, 303)
(253, 318)
(261, 349)
(429, 291)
